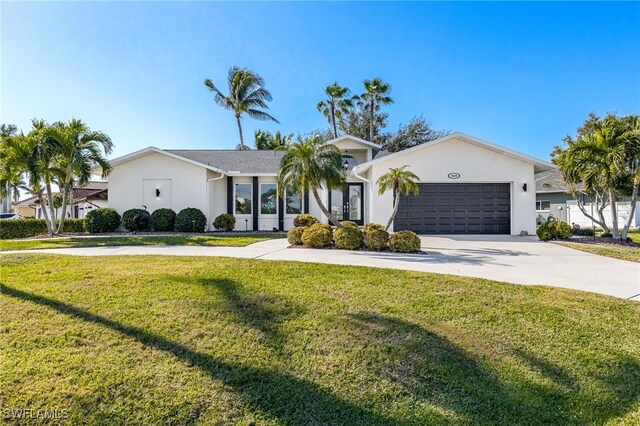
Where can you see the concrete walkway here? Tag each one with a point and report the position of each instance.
(520, 260)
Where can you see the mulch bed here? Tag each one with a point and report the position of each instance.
(604, 242)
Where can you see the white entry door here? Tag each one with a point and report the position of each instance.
(157, 194)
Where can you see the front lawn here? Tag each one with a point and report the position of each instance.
(157, 340)
(239, 240)
(618, 252)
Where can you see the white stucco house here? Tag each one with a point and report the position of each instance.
(467, 186)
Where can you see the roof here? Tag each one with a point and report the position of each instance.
(539, 165)
(91, 191)
(551, 181)
(354, 139)
(235, 161)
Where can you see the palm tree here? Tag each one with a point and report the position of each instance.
(375, 95)
(79, 149)
(337, 103)
(265, 140)
(6, 190)
(246, 95)
(311, 164)
(402, 182)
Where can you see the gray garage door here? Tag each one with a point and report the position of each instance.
(456, 208)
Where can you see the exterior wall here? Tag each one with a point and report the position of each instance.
(24, 211)
(474, 164)
(126, 183)
(558, 209)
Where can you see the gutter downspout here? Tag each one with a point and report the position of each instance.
(367, 181)
(206, 190)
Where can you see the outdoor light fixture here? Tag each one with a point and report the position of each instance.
(524, 187)
(158, 192)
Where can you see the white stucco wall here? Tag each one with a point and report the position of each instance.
(126, 183)
(475, 164)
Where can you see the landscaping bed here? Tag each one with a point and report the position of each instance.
(606, 246)
(150, 340)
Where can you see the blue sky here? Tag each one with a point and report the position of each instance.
(518, 74)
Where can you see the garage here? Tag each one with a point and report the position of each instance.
(456, 208)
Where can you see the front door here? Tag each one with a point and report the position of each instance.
(348, 203)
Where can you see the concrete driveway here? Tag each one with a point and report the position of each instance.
(520, 260)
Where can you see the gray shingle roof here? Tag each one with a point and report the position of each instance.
(248, 161)
(551, 181)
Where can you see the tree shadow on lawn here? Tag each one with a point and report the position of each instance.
(279, 395)
(427, 366)
(431, 368)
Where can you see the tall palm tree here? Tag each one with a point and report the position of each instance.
(6, 190)
(311, 164)
(79, 149)
(402, 182)
(246, 95)
(338, 102)
(376, 94)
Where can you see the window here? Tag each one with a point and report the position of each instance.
(543, 206)
(268, 198)
(243, 198)
(293, 203)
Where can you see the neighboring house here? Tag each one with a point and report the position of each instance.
(86, 198)
(552, 201)
(468, 186)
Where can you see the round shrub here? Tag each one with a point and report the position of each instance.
(373, 227)
(143, 224)
(164, 220)
(348, 223)
(305, 220)
(348, 237)
(190, 220)
(317, 235)
(225, 222)
(376, 239)
(294, 236)
(102, 220)
(404, 242)
(554, 230)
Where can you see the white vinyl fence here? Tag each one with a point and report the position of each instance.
(574, 215)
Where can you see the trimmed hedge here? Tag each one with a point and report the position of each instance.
(305, 220)
(317, 235)
(164, 220)
(554, 230)
(349, 237)
(404, 242)
(375, 237)
(102, 220)
(129, 215)
(225, 222)
(294, 236)
(191, 219)
(30, 227)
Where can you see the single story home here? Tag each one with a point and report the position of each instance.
(552, 201)
(93, 195)
(467, 186)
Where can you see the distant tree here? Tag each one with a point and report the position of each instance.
(246, 95)
(10, 181)
(416, 132)
(308, 165)
(401, 182)
(357, 123)
(265, 140)
(375, 94)
(338, 103)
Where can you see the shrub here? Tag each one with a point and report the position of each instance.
(305, 220)
(404, 242)
(294, 236)
(129, 215)
(317, 235)
(554, 230)
(375, 237)
(30, 227)
(348, 223)
(349, 237)
(606, 235)
(191, 220)
(164, 220)
(584, 232)
(102, 220)
(225, 221)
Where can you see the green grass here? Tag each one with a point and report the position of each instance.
(634, 235)
(157, 340)
(621, 252)
(240, 240)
